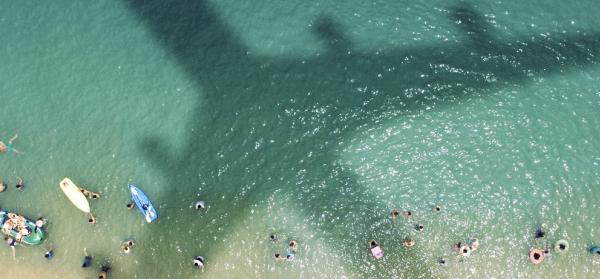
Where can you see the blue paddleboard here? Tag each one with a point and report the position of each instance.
(142, 203)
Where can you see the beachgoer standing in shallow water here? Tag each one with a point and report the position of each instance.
(8, 147)
(407, 214)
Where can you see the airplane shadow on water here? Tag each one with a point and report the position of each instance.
(268, 98)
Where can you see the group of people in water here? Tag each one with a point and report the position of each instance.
(536, 255)
(17, 223)
(20, 185)
(290, 253)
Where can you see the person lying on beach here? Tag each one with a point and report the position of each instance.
(8, 147)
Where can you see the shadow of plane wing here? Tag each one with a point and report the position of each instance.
(315, 104)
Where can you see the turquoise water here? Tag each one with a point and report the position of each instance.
(311, 120)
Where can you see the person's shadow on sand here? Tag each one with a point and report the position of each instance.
(273, 98)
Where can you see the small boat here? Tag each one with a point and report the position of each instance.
(74, 195)
(143, 203)
(35, 237)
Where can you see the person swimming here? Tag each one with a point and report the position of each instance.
(291, 255)
(104, 270)
(408, 243)
(419, 227)
(376, 250)
(536, 256)
(279, 257)
(87, 260)
(273, 238)
(127, 246)
(49, 254)
(199, 205)
(89, 194)
(442, 261)
(20, 185)
(394, 214)
(437, 208)
(10, 241)
(8, 147)
(474, 244)
(539, 233)
(130, 206)
(92, 219)
(293, 244)
(2, 186)
(39, 223)
(456, 247)
(199, 262)
(465, 250)
(407, 214)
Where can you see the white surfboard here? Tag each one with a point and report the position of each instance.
(74, 195)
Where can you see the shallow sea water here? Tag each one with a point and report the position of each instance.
(310, 120)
